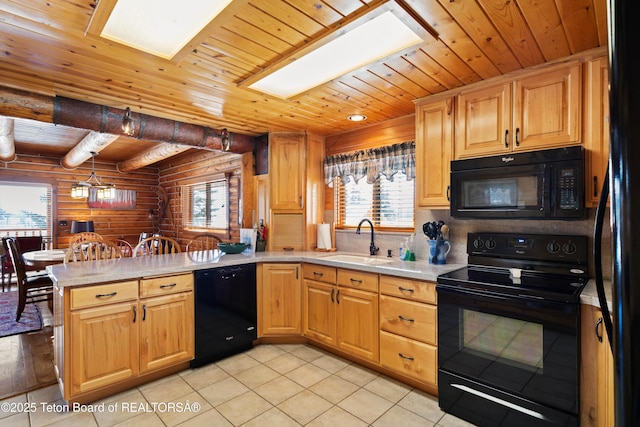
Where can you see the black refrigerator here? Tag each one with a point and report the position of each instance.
(624, 185)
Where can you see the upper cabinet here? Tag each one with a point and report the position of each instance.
(596, 138)
(434, 139)
(535, 111)
(286, 169)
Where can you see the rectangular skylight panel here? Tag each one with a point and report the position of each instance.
(160, 27)
(376, 39)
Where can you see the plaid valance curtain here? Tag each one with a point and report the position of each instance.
(372, 163)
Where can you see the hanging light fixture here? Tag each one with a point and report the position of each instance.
(225, 140)
(80, 190)
(128, 125)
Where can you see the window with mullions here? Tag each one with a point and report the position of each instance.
(388, 204)
(25, 209)
(206, 205)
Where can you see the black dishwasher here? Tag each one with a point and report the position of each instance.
(225, 312)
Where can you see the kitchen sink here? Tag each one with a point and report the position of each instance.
(359, 259)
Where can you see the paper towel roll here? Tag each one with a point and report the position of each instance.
(324, 236)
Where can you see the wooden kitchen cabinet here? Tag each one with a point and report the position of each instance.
(279, 299)
(538, 110)
(596, 371)
(408, 328)
(596, 139)
(357, 320)
(286, 169)
(434, 143)
(319, 303)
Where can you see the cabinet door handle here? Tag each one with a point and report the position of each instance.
(595, 186)
(598, 323)
(406, 319)
(506, 138)
(315, 273)
(448, 193)
(405, 289)
(332, 293)
(135, 313)
(168, 286)
(112, 294)
(301, 201)
(405, 357)
(517, 137)
(338, 297)
(287, 249)
(355, 280)
(144, 312)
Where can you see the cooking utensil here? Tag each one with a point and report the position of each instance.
(430, 229)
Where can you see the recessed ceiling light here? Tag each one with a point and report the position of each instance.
(377, 38)
(160, 27)
(357, 117)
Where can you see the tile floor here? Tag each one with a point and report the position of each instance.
(270, 385)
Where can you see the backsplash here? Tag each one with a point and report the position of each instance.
(349, 241)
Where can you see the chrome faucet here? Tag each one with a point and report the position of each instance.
(373, 249)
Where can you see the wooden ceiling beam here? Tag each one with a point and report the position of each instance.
(7, 144)
(153, 155)
(92, 143)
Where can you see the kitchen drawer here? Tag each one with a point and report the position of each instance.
(319, 273)
(408, 318)
(358, 280)
(166, 285)
(409, 357)
(92, 296)
(406, 288)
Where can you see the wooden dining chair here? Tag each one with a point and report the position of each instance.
(125, 247)
(32, 288)
(157, 245)
(203, 242)
(24, 244)
(92, 250)
(84, 236)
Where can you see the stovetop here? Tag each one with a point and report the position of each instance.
(550, 267)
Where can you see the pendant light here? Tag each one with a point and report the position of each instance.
(80, 190)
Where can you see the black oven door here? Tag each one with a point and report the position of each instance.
(508, 359)
(506, 192)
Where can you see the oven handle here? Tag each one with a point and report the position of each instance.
(504, 298)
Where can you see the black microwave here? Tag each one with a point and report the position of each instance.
(545, 184)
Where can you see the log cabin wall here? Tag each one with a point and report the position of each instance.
(191, 165)
(387, 133)
(110, 223)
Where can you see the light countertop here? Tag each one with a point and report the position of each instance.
(589, 294)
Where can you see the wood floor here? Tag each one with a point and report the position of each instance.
(26, 360)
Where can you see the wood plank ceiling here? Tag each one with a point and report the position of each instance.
(49, 49)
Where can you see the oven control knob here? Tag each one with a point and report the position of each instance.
(569, 248)
(553, 247)
(490, 244)
(478, 243)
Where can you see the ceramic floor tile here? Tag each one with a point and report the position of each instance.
(307, 375)
(179, 410)
(273, 417)
(388, 388)
(218, 393)
(125, 406)
(285, 363)
(256, 376)
(330, 363)
(204, 376)
(15, 420)
(76, 419)
(207, 419)
(235, 364)
(307, 353)
(357, 375)
(365, 405)
(264, 353)
(45, 395)
(278, 390)
(304, 406)
(334, 388)
(397, 416)
(20, 399)
(422, 404)
(147, 419)
(243, 408)
(449, 420)
(49, 413)
(167, 391)
(337, 417)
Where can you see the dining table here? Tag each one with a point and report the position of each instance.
(40, 259)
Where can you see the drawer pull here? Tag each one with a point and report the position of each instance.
(144, 312)
(315, 273)
(288, 249)
(112, 294)
(338, 297)
(406, 319)
(135, 313)
(168, 286)
(332, 292)
(406, 289)
(355, 280)
(405, 357)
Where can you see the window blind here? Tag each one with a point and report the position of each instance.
(205, 205)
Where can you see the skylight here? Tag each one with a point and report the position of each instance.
(367, 43)
(160, 27)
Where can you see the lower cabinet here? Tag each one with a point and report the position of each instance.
(279, 299)
(408, 328)
(596, 371)
(117, 332)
